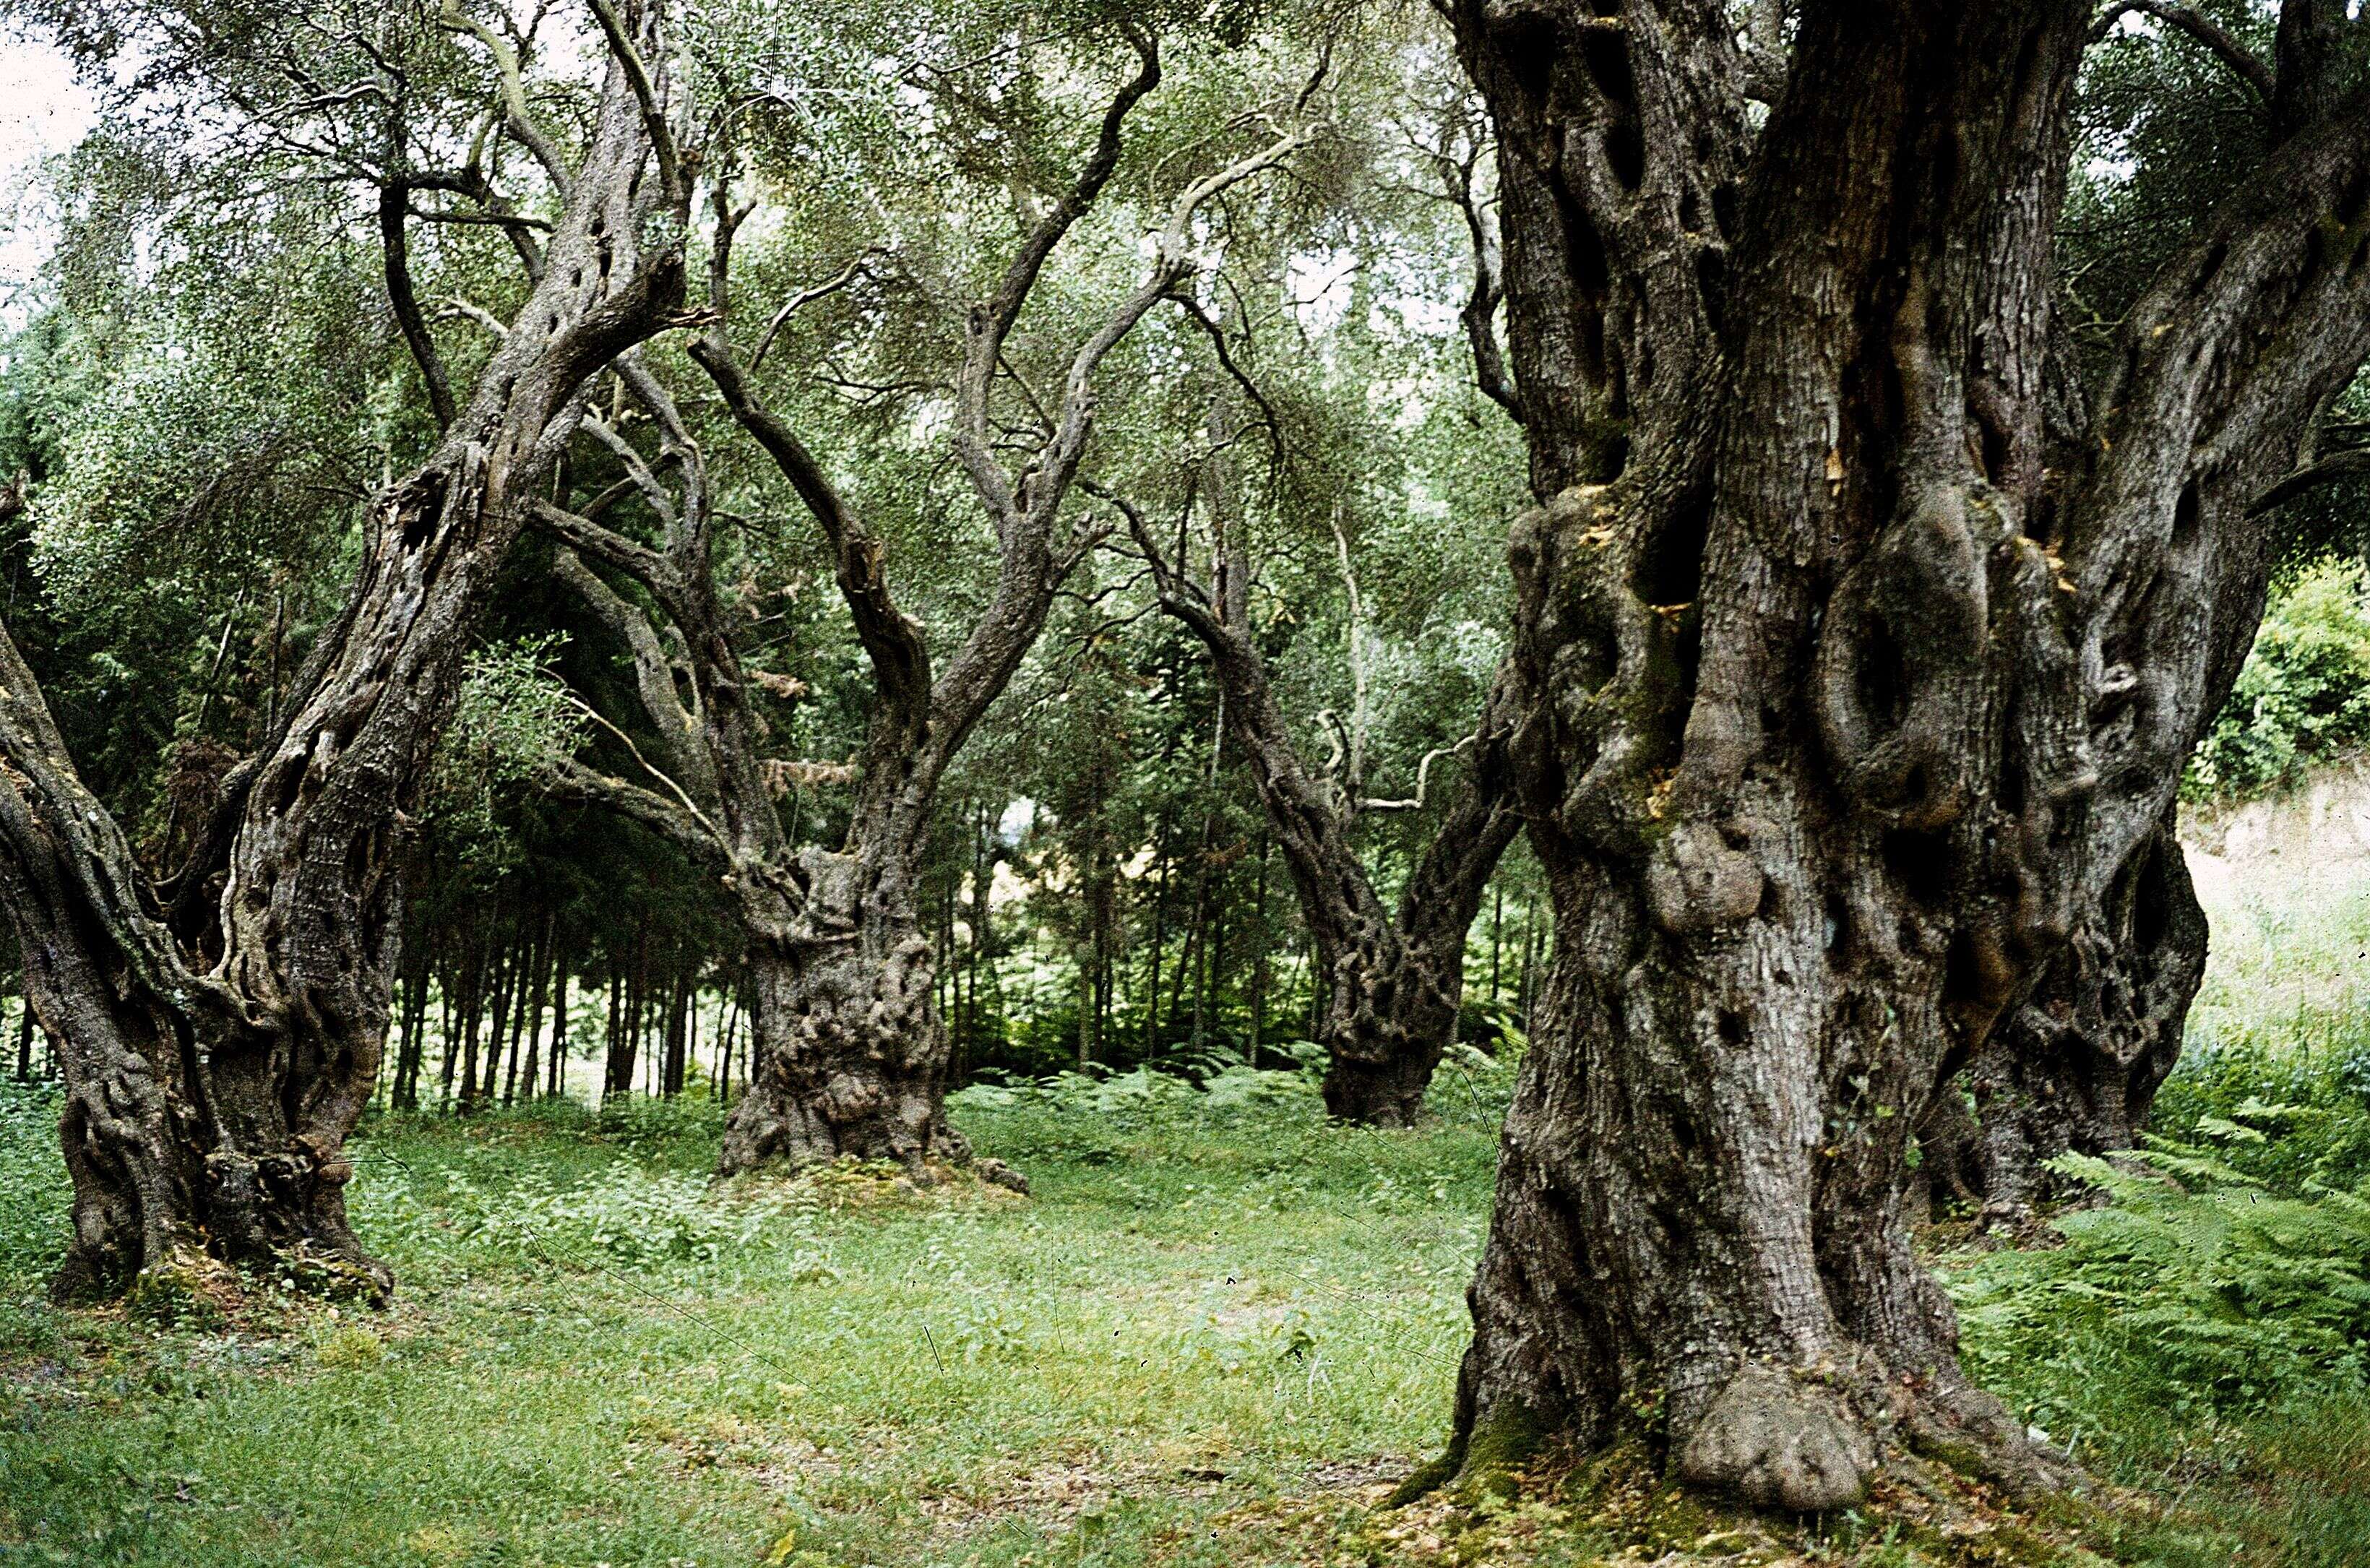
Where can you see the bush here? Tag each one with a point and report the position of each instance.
(626, 1215)
(1211, 1080)
(2304, 695)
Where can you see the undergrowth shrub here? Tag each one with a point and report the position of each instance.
(621, 1215)
(1469, 1083)
(2304, 695)
(2290, 1119)
(2192, 1290)
(1207, 1080)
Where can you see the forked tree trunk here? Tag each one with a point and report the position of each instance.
(1845, 716)
(1389, 987)
(848, 1051)
(216, 1064)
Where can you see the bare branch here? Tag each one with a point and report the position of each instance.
(681, 795)
(655, 120)
(518, 121)
(992, 322)
(2351, 463)
(800, 301)
(572, 780)
(644, 565)
(395, 252)
(900, 663)
(1422, 778)
(676, 724)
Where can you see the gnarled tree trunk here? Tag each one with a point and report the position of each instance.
(1843, 713)
(2074, 1068)
(849, 1054)
(1391, 987)
(219, 1052)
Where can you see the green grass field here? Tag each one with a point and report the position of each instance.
(1201, 1312)
(1216, 1333)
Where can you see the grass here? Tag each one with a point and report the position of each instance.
(1216, 1333)
(1198, 1315)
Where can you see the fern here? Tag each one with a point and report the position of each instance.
(2192, 1287)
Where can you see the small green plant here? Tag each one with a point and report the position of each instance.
(2193, 1288)
(348, 1347)
(2304, 695)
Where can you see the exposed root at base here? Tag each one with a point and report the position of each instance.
(191, 1288)
(1623, 1506)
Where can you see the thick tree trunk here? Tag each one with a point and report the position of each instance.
(1389, 1015)
(1842, 714)
(2075, 1068)
(849, 1052)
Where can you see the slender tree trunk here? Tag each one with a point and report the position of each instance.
(545, 959)
(558, 1084)
(678, 1037)
(446, 1037)
(501, 1035)
(472, 984)
(1259, 960)
(617, 1072)
(1159, 937)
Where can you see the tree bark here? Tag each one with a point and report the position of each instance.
(1845, 716)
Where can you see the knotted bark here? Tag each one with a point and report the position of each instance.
(851, 1056)
(1847, 720)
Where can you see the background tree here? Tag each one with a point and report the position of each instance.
(1393, 983)
(851, 1051)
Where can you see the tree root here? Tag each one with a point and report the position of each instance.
(1626, 1504)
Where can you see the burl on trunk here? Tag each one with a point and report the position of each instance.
(1858, 663)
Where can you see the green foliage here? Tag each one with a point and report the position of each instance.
(2304, 695)
(33, 1193)
(1223, 1081)
(513, 721)
(2198, 1291)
